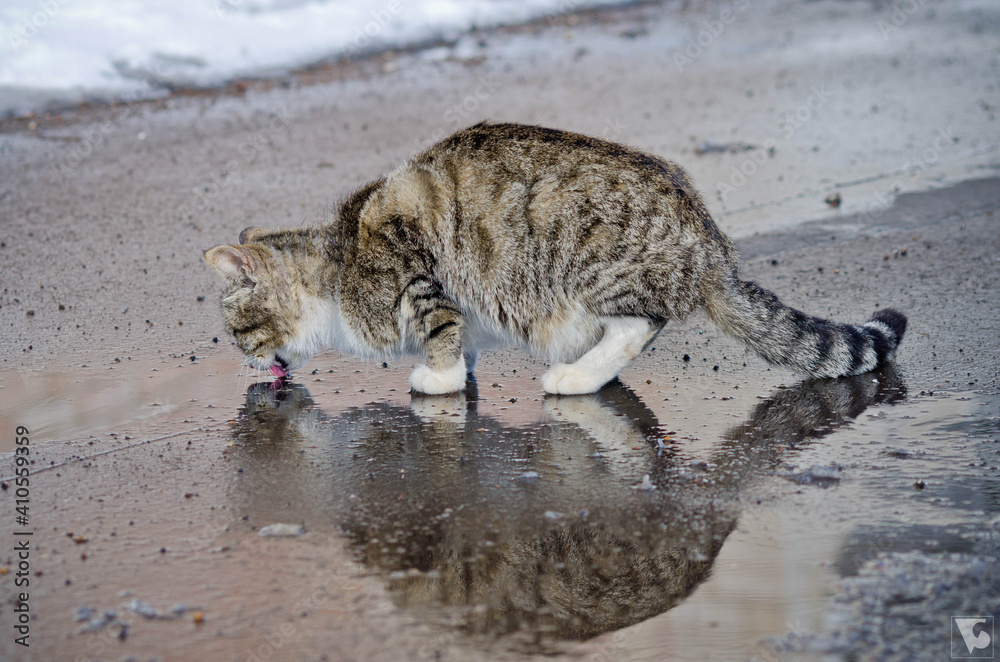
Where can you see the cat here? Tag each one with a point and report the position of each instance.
(577, 248)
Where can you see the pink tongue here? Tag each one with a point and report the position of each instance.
(278, 371)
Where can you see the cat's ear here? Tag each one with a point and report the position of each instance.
(251, 233)
(232, 262)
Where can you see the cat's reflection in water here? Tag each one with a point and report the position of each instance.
(544, 528)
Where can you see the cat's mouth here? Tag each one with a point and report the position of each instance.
(279, 368)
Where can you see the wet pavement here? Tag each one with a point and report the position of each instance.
(492, 529)
(682, 513)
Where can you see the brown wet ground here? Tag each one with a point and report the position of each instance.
(500, 525)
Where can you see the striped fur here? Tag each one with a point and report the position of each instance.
(576, 248)
(788, 337)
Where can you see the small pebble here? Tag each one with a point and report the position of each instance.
(276, 530)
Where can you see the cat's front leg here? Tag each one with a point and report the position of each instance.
(425, 379)
(437, 324)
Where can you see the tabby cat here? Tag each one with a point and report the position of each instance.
(577, 248)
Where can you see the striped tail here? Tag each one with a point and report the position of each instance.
(785, 336)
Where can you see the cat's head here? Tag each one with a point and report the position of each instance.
(270, 303)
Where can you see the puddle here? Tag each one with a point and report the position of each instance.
(141, 396)
(58, 405)
(590, 521)
(665, 521)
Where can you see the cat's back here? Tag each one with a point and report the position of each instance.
(515, 179)
(524, 153)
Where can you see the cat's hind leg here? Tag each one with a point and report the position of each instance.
(437, 324)
(623, 339)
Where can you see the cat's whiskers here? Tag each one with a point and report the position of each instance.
(243, 376)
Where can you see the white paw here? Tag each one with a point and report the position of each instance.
(567, 379)
(432, 382)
